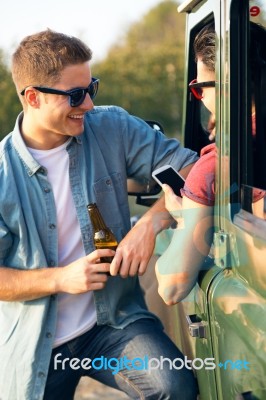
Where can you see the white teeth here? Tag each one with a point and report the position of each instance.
(76, 116)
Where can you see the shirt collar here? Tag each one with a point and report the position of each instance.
(31, 165)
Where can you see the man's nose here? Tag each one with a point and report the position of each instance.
(87, 103)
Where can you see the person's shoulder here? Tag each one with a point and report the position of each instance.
(199, 185)
(207, 159)
(103, 120)
(5, 145)
(108, 110)
(210, 150)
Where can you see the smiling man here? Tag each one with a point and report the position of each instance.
(56, 296)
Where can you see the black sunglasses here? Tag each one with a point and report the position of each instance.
(196, 87)
(76, 96)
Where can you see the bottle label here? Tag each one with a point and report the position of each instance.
(100, 235)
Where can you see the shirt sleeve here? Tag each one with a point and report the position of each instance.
(148, 149)
(199, 185)
(258, 194)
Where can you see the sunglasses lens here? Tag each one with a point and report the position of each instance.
(197, 92)
(93, 89)
(195, 89)
(77, 97)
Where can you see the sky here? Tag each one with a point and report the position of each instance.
(99, 23)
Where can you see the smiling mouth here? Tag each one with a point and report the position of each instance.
(77, 117)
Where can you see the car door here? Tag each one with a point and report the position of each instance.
(230, 299)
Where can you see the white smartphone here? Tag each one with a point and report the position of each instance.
(167, 174)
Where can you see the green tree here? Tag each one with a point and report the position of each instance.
(144, 74)
(10, 105)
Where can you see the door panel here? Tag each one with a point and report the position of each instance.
(238, 330)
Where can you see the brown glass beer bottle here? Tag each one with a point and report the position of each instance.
(103, 236)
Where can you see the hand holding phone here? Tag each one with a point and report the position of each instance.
(167, 174)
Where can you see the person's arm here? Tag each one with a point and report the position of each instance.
(80, 276)
(135, 250)
(178, 267)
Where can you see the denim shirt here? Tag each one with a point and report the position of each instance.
(113, 147)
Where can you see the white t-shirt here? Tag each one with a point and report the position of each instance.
(76, 313)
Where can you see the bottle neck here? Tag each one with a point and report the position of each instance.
(103, 236)
(96, 218)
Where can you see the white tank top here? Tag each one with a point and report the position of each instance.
(76, 313)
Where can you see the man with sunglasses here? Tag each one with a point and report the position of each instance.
(198, 194)
(59, 309)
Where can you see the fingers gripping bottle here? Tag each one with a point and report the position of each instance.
(103, 236)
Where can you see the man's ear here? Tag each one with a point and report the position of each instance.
(31, 97)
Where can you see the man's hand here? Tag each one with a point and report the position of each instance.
(173, 203)
(135, 250)
(84, 274)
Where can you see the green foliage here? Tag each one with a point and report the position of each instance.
(145, 73)
(10, 105)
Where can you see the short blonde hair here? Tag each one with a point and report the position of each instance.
(41, 57)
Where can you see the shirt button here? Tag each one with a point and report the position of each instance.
(108, 182)
(48, 335)
(41, 374)
(52, 226)
(47, 190)
(42, 170)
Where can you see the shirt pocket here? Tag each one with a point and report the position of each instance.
(111, 198)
